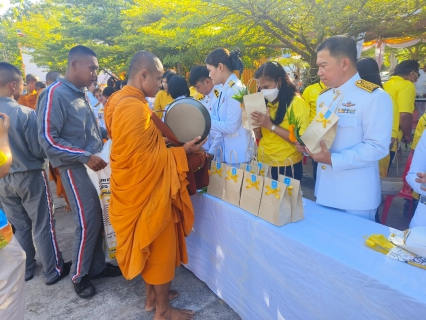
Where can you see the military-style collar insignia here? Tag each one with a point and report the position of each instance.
(324, 90)
(231, 83)
(348, 104)
(216, 93)
(366, 85)
(200, 97)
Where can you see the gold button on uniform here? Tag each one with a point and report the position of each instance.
(323, 167)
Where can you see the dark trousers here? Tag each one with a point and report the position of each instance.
(298, 171)
(314, 169)
(392, 156)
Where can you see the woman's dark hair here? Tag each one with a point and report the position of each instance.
(166, 73)
(118, 85)
(169, 75)
(368, 69)
(274, 71)
(108, 91)
(178, 87)
(232, 60)
(110, 82)
(405, 67)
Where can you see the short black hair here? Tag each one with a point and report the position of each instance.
(368, 69)
(177, 87)
(80, 51)
(405, 67)
(9, 73)
(111, 82)
(40, 84)
(198, 74)
(52, 76)
(340, 46)
(108, 91)
(118, 85)
(232, 60)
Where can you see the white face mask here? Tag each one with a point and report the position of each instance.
(270, 94)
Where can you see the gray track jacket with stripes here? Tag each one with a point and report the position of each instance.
(67, 128)
(27, 154)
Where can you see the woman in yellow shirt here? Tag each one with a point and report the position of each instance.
(163, 98)
(282, 97)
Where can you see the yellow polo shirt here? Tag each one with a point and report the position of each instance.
(310, 94)
(275, 147)
(162, 99)
(421, 126)
(403, 94)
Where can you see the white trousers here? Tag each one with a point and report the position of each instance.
(12, 281)
(419, 218)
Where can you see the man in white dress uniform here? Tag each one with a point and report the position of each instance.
(348, 174)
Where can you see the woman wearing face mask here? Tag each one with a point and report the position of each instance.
(282, 97)
(227, 112)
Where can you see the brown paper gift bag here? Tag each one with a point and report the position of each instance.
(251, 192)
(217, 176)
(322, 128)
(275, 207)
(259, 163)
(233, 182)
(253, 102)
(247, 165)
(295, 195)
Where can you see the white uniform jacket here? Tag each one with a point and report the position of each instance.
(209, 101)
(363, 136)
(226, 120)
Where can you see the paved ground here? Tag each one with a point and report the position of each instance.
(120, 299)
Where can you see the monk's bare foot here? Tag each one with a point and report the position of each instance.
(67, 208)
(174, 314)
(150, 300)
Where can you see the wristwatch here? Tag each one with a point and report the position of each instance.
(272, 128)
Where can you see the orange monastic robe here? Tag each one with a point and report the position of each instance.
(149, 198)
(29, 100)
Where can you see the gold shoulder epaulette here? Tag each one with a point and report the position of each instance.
(231, 83)
(200, 97)
(366, 85)
(216, 93)
(324, 90)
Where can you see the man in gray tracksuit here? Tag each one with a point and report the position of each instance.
(25, 191)
(70, 135)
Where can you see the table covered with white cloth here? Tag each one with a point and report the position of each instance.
(318, 268)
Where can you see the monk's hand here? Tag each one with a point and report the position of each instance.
(324, 156)
(96, 163)
(192, 146)
(4, 124)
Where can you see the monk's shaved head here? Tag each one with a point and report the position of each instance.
(31, 77)
(8, 74)
(52, 76)
(144, 60)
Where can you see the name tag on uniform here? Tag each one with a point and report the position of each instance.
(346, 110)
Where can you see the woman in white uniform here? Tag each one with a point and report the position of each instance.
(416, 178)
(227, 112)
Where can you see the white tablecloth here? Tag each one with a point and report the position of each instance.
(318, 268)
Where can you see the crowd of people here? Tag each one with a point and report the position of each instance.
(67, 119)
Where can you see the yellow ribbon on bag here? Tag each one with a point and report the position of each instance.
(273, 191)
(290, 188)
(217, 171)
(252, 184)
(378, 242)
(232, 176)
(322, 119)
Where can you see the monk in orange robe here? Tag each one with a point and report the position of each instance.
(30, 99)
(150, 208)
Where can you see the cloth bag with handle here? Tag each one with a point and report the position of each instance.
(233, 182)
(322, 128)
(252, 102)
(293, 191)
(275, 206)
(217, 175)
(251, 192)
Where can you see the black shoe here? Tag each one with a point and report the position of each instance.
(29, 278)
(84, 288)
(66, 267)
(109, 271)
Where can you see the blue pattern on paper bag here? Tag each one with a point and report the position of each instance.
(248, 167)
(259, 165)
(287, 181)
(218, 165)
(274, 184)
(253, 178)
(327, 114)
(234, 171)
